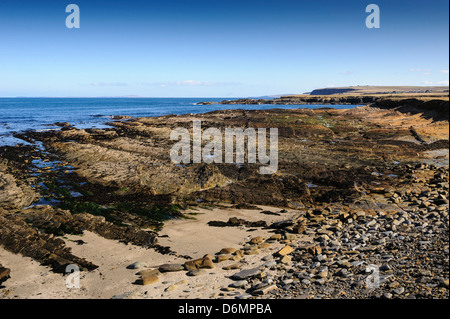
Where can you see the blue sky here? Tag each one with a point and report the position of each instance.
(218, 48)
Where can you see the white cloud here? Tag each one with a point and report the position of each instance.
(108, 84)
(188, 83)
(427, 83)
(423, 71)
(446, 83)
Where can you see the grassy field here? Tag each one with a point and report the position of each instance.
(384, 91)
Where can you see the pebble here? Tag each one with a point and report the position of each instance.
(386, 295)
(227, 251)
(265, 290)
(125, 295)
(171, 288)
(171, 267)
(256, 240)
(231, 267)
(398, 291)
(149, 272)
(137, 265)
(286, 259)
(320, 281)
(287, 281)
(147, 280)
(196, 272)
(238, 284)
(269, 264)
(285, 251)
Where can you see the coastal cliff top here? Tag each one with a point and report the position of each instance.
(383, 90)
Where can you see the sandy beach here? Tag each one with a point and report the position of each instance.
(191, 237)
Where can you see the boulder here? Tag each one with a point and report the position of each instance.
(256, 240)
(4, 274)
(204, 262)
(226, 251)
(147, 280)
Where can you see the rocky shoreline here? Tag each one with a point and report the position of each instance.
(432, 105)
(357, 188)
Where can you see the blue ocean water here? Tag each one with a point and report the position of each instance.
(21, 114)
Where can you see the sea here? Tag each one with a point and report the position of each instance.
(38, 114)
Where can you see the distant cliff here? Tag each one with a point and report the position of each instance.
(329, 91)
(370, 89)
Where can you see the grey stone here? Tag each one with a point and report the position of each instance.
(263, 291)
(386, 295)
(269, 264)
(287, 281)
(125, 295)
(196, 272)
(137, 265)
(306, 282)
(238, 284)
(320, 281)
(246, 273)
